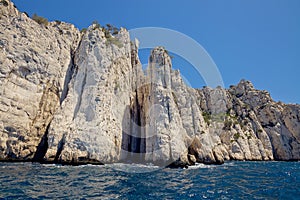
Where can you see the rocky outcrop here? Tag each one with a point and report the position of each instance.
(74, 98)
(88, 125)
(35, 61)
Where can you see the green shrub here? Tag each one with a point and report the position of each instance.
(206, 117)
(109, 27)
(236, 136)
(97, 25)
(106, 32)
(40, 20)
(84, 30)
(58, 22)
(4, 3)
(220, 117)
(112, 29)
(227, 124)
(110, 39)
(115, 41)
(115, 31)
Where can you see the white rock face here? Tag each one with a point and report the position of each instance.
(166, 138)
(76, 98)
(89, 124)
(34, 62)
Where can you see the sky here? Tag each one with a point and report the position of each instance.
(257, 40)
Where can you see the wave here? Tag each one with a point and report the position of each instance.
(133, 168)
(205, 166)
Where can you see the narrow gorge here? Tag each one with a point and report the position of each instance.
(76, 97)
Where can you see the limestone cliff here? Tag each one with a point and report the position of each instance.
(35, 62)
(71, 97)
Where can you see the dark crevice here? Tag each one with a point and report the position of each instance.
(168, 110)
(71, 72)
(133, 140)
(60, 148)
(136, 117)
(68, 78)
(42, 147)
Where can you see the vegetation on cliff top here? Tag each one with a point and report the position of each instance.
(40, 20)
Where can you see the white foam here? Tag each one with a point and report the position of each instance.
(133, 168)
(204, 166)
(199, 166)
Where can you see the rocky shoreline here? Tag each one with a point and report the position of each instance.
(74, 97)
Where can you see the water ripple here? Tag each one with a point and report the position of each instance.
(242, 180)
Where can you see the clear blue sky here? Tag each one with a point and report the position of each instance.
(258, 40)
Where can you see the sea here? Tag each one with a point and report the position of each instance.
(232, 180)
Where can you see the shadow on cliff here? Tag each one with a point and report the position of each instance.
(42, 147)
(133, 147)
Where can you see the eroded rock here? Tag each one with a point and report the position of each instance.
(84, 98)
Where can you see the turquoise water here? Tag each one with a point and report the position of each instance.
(233, 180)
